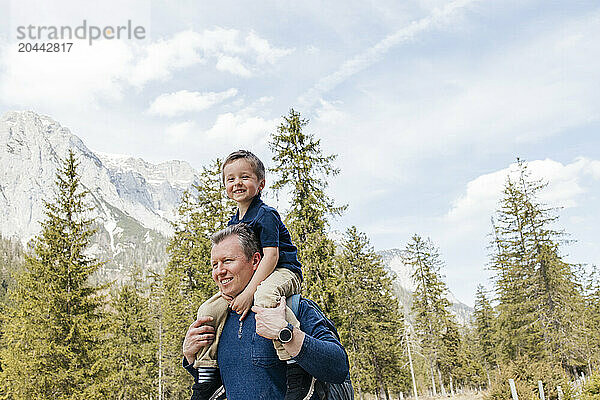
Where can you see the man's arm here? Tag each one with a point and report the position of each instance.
(315, 347)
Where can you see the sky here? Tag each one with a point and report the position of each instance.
(427, 103)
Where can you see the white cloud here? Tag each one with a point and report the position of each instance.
(81, 77)
(475, 206)
(230, 51)
(173, 104)
(177, 133)
(232, 65)
(330, 113)
(265, 53)
(241, 127)
(108, 68)
(158, 60)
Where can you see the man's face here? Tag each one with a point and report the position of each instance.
(230, 268)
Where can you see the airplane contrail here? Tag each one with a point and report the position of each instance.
(373, 54)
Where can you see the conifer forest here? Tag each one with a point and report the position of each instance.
(66, 336)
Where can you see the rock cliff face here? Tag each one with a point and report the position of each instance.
(133, 200)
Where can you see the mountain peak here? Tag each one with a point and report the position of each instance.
(31, 147)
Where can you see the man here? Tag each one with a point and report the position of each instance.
(248, 364)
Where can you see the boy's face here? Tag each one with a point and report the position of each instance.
(241, 182)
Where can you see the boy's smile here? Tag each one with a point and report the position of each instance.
(241, 182)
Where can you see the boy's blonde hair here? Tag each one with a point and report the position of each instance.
(257, 165)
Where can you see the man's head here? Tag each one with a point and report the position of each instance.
(234, 257)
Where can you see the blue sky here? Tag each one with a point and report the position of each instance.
(426, 102)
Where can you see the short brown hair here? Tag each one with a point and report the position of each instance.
(246, 236)
(255, 163)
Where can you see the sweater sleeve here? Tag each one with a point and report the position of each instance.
(190, 368)
(321, 355)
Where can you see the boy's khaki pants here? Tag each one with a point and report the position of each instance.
(281, 282)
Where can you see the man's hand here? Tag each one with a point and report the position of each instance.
(269, 321)
(242, 303)
(197, 336)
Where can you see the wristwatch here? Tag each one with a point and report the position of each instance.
(286, 334)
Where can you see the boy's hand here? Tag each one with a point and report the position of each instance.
(242, 303)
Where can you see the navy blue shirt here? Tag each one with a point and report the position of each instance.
(248, 363)
(271, 231)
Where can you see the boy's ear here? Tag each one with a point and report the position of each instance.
(261, 185)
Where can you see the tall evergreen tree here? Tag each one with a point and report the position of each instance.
(302, 169)
(53, 331)
(188, 282)
(370, 324)
(538, 292)
(484, 322)
(130, 352)
(430, 305)
(11, 264)
(451, 359)
(591, 320)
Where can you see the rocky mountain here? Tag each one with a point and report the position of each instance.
(404, 286)
(133, 200)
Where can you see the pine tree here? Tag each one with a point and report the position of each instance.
(370, 324)
(11, 264)
(130, 352)
(303, 170)
(430, 305)
(591, 320)
(451, 359)
(188, 282)
(484, 321)
(53, 331)
(538, 292)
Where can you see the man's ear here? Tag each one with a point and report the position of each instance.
(255, 260)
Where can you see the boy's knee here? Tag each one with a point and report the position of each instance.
(266, 296)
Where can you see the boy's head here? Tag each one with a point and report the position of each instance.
(255, 163)
(243, 176)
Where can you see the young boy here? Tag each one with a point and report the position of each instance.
(278, 273)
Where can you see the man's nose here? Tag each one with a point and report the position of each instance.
(219, 269)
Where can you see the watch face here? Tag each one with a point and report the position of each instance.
(285, 335)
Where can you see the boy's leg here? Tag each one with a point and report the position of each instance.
(215, 307)
(281, 282)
